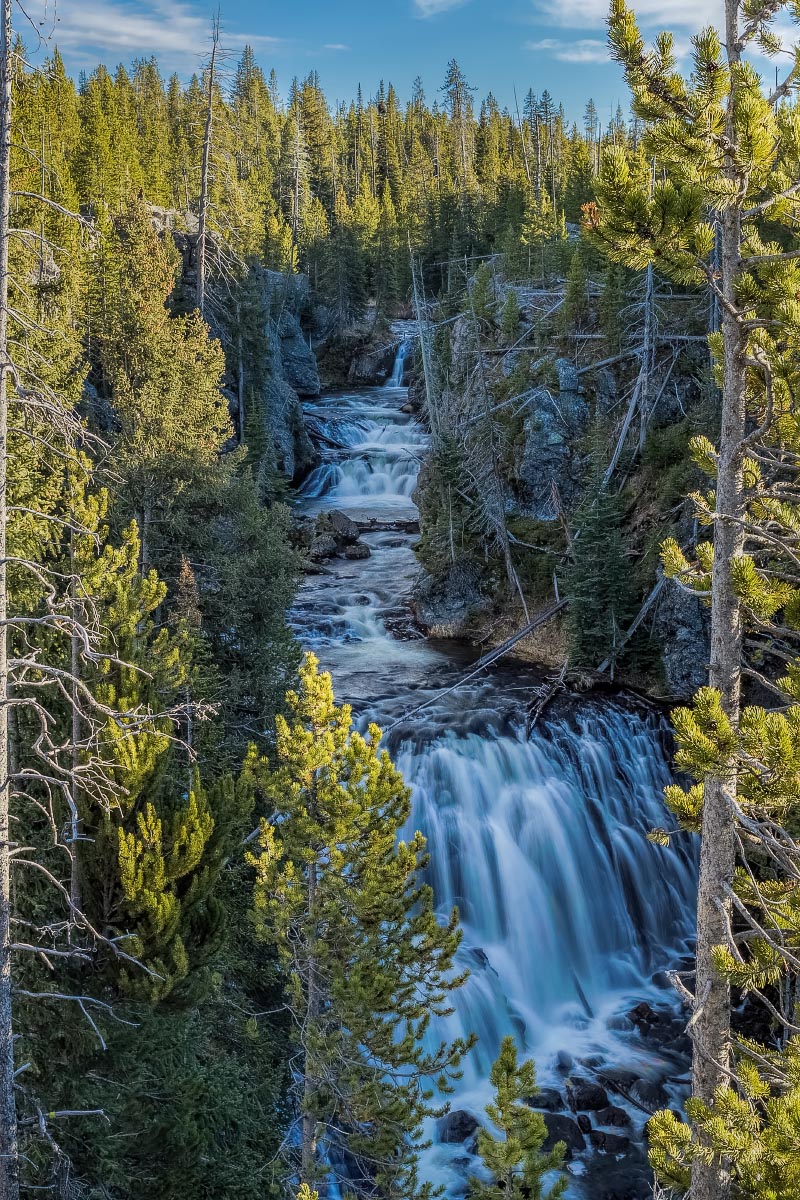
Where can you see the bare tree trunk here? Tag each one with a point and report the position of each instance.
(202, 235)
(9, 1160)
(310, 1124)
(711, 1029)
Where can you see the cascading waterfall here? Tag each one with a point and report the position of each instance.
(568, 911)
(397, 377)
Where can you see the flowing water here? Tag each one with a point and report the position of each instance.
(568, 911)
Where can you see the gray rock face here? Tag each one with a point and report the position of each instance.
(444, 605)
(682, 625)
(297, 358)
(555, 423)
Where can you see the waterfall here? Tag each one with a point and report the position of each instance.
(568, 911)
(567, 908)
(397, 376)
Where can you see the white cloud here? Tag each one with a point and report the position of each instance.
(431, 8)
(664, 14)
(176, 32)
(579, 50)
(336, 46)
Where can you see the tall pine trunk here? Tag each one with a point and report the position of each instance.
(711, 1030)
(9, 1164)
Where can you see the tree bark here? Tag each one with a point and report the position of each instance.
(202, 235)
(9, 1154)
(309, 1125)
(711, 1030)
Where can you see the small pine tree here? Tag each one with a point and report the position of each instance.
(598, 581)
(514, 1162)
(367, 963)
(510, 318)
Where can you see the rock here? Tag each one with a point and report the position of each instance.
(546, 1098)
(360, 551)
(444, 604)
(553, 429)
(610, 1143)
(611, 1178)
(618, 1077)
(564, 1062)
(584, 1123)
(682, 627)
(343, 528)
(613, 1116)
(297, 358)
(323, 547)
(456, 1127)
(650, 1093)
(643, 1015)
(563, 1129)
(585, 1096)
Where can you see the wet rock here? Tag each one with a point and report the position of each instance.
(650, 1093)
(546, 1098)
(564, 1062)
(323, 547)
(359, 551)
(609, 1143)
(619, 1078)
(342, 527)
(563, 1129)
(584, 1123)
(643, 1016)
(585, 1096)
(456, 1127)
(613, 1116)
(626, 1178)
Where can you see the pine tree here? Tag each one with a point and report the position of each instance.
(514, 1162)
(368, 966)
(725, 145)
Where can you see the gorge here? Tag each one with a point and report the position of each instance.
(569, 913)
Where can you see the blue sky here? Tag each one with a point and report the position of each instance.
(501, 44)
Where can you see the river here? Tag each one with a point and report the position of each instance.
(568, 911)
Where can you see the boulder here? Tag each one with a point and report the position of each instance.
(360, 551)
(584, 1123)
(609, 1143)
(342, 527)
(626, 1178)
(650, 1093)
(613, 1116)
(456, 1127)
(323, 547)
(563, 1129)
(585, 1096)
(546, 1098)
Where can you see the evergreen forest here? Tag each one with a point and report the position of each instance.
(399, 593)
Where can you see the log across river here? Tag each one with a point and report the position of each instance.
(568, 911)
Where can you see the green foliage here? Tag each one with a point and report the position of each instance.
(513, 1162)
(367, 964)
(598, 581)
